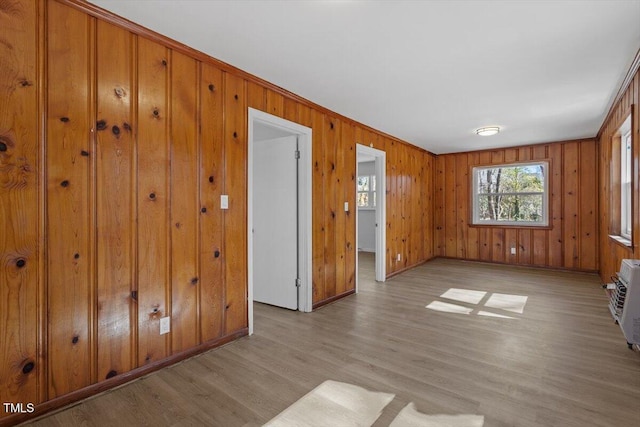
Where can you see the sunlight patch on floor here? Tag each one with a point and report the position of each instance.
(469, 301)
(410, 417)
(333, 403)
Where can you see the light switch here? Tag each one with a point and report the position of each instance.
(224, 201)
(346, 206)
(165, 325)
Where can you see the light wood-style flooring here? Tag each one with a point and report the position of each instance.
(562, 362)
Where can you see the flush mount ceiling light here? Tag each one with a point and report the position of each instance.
(488, 131)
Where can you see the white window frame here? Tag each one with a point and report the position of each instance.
(626, 182)
(370, 192)
(475, 220)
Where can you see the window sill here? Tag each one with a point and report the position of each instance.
(622, 241)
(367, 209)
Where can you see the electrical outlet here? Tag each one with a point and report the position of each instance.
(346, 206)
(399, 257)
(224, 201)
(513, 251)
(165, 325)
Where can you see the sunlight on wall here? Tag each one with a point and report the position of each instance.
(476, 302)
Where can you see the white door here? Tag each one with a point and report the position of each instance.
(275, 246)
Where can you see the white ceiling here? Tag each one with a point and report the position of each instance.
(428, 72)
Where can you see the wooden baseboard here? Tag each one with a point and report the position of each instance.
(545, 267)
(395, 273)
(75, 397)
(332, 299)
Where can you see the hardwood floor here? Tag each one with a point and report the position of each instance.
(561, 362)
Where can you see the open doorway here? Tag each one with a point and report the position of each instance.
(371, 210)
(279, 213)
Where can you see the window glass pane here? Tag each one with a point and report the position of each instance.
(363, 199)
(363, 183)
(510, 193)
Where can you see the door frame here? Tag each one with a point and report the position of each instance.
(381, 209)
(305, 291)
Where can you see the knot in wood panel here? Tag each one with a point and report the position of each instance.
(84, 153)
(20, 262)
(211, 179)
(112, 373)
(194, 281)
(75, 339)
(28, 367)
(120, 92)
(203, 210)
(212, 87)
(64, 183)
(152, 196)
(116, 130)
(101, 124)
(156, 113)
(216, 253)
(25, 83)
(64, 119)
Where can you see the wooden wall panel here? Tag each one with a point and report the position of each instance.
(139, 139)
(567, 243)
(612, 253)
(153, 200)
(114, 206)
(211, 217)
(349, 177)
(318, 215)
(184, 202)
(235, 218)
(70, 226)
(331, 138)
(20, 366)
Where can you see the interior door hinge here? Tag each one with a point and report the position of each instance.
(298, 283)
(297, 154)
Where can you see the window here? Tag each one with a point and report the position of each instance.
(625, 185)
(511, 194)
(367, 191)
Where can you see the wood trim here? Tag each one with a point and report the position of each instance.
(628, 79)
(94, 389)
(333, 299)
(536, 144)
(139, 30)
(402, 270)
(510, 264)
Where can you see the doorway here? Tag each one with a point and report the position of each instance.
(279, 213)
(371, 215)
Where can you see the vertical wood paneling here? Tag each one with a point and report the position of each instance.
(587, 214)
(69, 199)
(152, 200)
(473, 249)
(439, 206)
(19, 204)
(610, 252)
(392, 207)
(341, 215)
(275, 103)
(556, 245)
(211, 216)
(235, 218)
(317, 121)
(571, 204)
(571, 177)
(332, 135)
(461, 204)
(114, 156)
(349, 185)
(256, 96)
(139, 142)
(184, 202)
